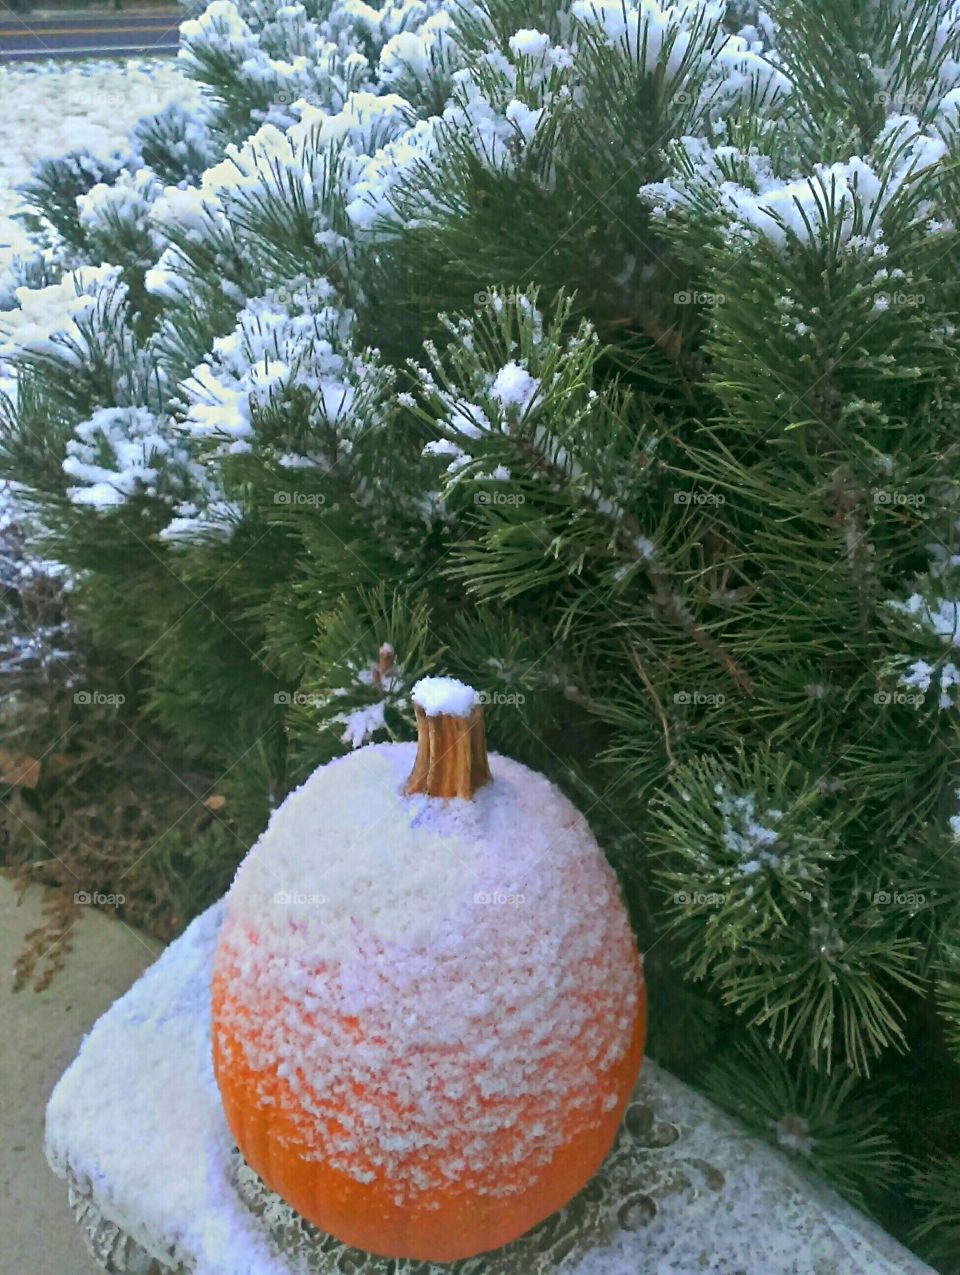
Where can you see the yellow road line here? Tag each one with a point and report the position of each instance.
(39, 35)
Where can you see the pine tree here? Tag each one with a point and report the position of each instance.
(604, 355)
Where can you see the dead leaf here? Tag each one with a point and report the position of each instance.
(19, 769)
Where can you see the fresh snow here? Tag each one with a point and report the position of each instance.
(932, 618)
(529, 43)
(125, 202)
(417, 54)
(136, 1121)
(164, 1022)
(744, 833)
(50, 108)
(136, 447)
(45, 322)
(851, 192)
(513, 386)
(662, 35)
(361, 723)
(436, 695)
(941, 617)
(481, 945)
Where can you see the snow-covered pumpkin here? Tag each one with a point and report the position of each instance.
(428, 1008)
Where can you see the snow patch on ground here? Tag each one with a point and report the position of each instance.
(50, 108)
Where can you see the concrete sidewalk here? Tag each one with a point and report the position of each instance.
(40, 1033)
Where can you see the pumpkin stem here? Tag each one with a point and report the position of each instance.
(451, 756)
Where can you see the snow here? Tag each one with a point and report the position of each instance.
(369, 197)
(743, 832)
(418, 54)
(933, 617)
(97, 103)
(45, 320)
(125, 203)
(665, 38)
(853, 193)
(465, 418)
(921, 675)
(529, 43)
(940, 616)
(524, 118)
(137, 1122)
(513, 386)
(220, 18)
(289, 336)
(360, 723)
(216, 517)
(367, 121)
(479, 1026)
(442, 447)
(164, 1022)
(132, 442)
(641, 29)
(436, 695)
(186, 209)
(513, 393)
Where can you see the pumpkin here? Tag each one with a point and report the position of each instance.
(427, 1005)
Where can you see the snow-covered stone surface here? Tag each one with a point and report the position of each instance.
(136, 1128)
(50, 108)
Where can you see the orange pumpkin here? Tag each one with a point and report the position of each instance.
(428, 1009)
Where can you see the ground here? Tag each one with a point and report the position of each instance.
(48, 109)
(51, 107)
(41, 1034)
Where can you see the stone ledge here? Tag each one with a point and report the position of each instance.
(683, 1190)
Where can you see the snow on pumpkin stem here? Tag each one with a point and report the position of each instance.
(451, 756)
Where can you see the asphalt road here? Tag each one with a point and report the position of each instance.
(30, 37)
